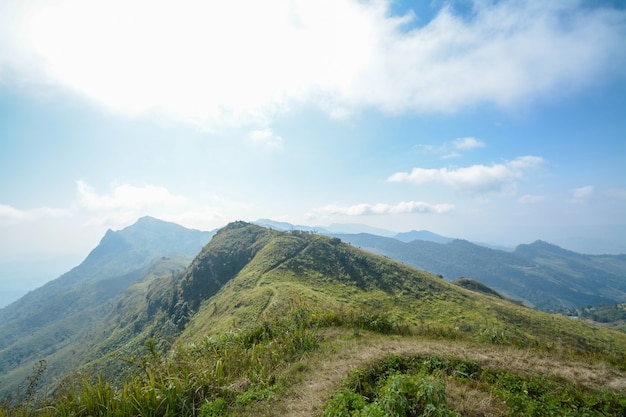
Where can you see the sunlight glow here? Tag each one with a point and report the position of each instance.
(242, 62)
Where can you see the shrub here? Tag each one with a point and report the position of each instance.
(420, 395)
(400, 395)
(345, 403)
(215, 408)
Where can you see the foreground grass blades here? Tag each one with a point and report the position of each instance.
(271, 367)
(229, 372)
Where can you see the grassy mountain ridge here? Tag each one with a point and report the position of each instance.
(247, 272)
(158, 306)
(327, 272)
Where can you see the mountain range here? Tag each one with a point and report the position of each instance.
(175, 289)
(540, 274)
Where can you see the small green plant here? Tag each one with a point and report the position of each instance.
(419, 395)
(494, 336)
(254, 395)
(216, 408)
(345, 403)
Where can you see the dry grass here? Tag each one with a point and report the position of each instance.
(470, 401)
(345, 351)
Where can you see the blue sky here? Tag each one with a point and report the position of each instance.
(494, 121)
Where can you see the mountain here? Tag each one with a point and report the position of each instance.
(326, 230)
(269, 322)
(335, 228)
(541, 275)
(59, 314)
(554, 279)
(407, 237)
(285, 226)
(247, 272)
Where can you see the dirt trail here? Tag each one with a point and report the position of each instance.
(329, 368)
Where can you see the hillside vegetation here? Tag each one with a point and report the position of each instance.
(541, 275)
(291, 323)
(60, 321)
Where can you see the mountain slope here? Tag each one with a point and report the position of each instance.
(278, 269)
(247, 274)
(542, 275)
(53, 320)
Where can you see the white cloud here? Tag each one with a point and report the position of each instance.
(581, 194)
(216, 63)
(266, 138)
(531, 199)
(381, 208)
(468, 143)
(127, 196)
(475, 179)
(11, 214)
(452, 149)
(122, 206)
(125, 203)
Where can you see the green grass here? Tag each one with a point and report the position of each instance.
(234, 370)
(240, 372)
(415, 385)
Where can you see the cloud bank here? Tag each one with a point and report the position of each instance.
(582, 194)
(475, 179)
(10, 214)
(381, 208)
(223, 63)
(452, 149)
(127, 196)
(266, 138)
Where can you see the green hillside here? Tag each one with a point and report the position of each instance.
(271, 270)
(291, 323)
(541, 275)
(58, 321)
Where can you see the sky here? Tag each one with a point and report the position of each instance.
(494, 121)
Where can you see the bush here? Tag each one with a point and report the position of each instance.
(400, 395)
(215, 408)
(406, 395)
(345, 403)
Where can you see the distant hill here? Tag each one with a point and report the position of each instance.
(473, 285)
(541, 275)
(324, 230)
(407, 237)
(346, 228)
(49, 319)
(285, 226)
